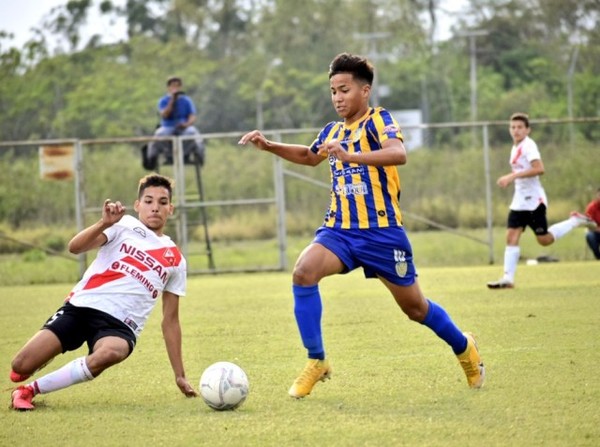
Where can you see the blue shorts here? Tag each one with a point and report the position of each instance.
(384, 252)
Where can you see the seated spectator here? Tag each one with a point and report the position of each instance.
(177, 117)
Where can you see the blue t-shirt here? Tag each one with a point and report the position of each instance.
(184, 107)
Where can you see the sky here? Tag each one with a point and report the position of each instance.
(20, 16)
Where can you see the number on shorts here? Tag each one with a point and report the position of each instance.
(53, 318)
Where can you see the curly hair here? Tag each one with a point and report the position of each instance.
(359, 67)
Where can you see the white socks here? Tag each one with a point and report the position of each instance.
(513, 253)
(511, 259)
(559, 229)
(72, 373)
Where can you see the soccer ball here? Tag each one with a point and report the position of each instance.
(224, 386)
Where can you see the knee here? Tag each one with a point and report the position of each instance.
(416, 313)
(112, 356)
(302, 276)
(26, 365)
(415, 310)
(104, 358)
(163, 131)
(18, 365)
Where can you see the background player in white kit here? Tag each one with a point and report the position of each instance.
(528, 206)
(108, 308)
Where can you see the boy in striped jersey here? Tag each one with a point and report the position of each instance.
(363, 226)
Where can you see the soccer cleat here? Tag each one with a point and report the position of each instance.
(22, 397)
(314, 371)
(16, 377)
(583, 219)
(471, 363)
(500, 284)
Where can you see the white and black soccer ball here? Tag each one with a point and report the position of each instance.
(224, 386)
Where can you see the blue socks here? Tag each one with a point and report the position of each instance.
(308, 310)
(439, 321)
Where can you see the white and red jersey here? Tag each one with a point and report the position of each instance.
(130, 272)
(529, 192)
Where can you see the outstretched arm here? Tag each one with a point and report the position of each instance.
(296, 153)
(171, 329)
(93, 236)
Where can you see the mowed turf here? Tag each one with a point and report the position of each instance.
(394, 382)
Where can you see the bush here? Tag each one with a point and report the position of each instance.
(55, 243)
(444, 184)
(34, 255)
(41, 238)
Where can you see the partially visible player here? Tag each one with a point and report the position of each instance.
(363, 226)
(108, 308)
(592, 236)
(529, 202)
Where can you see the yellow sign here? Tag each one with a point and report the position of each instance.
(57, 162)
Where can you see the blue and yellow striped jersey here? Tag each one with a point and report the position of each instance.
(362, 196)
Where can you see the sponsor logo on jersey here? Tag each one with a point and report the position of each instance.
(350, 170)
(353, 137)
(169, 256)
(136, 265)
(132, 324)
(145, 261)
(358, 189)
(391, 128)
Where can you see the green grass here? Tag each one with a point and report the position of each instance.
(432, 248)
(394, 382)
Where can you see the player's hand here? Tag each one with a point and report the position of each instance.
(112, 212)
(505, 180)
(256, 138)
(185, 387)
(335, 149)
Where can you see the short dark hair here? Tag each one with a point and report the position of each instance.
(359, 67)
(155, 180)
(520, 116)
(174, 79)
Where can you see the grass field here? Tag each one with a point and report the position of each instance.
(394, 382)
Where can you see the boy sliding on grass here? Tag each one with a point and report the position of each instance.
(108, 308)
(363, 226)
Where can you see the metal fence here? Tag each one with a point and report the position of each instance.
(191, 202)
